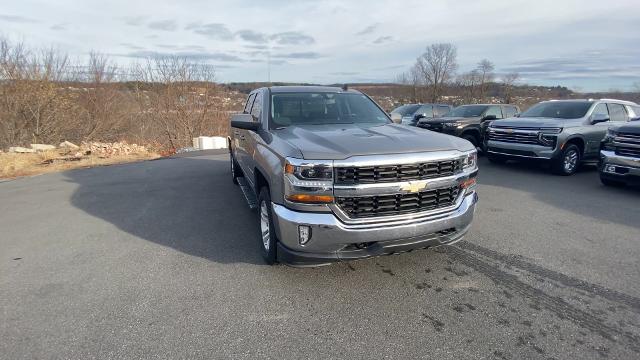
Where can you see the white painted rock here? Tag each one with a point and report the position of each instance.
(69, 145)
(42, 147)
(19, 149)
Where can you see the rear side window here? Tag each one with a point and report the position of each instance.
(441, 110)
(494, 110)
(427, 110)
(601, 109)
(617, 112)
(256, 109)
(510, 111)
(247, 106)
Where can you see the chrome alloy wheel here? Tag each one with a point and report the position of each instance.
(570, 160)
(265, 228)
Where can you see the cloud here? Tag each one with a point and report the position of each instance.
(383, 39)
(59, 27)
(17, 19)
(134, 20)
(344, 73)
(252, 36)
(590, 64)
(131, 46)
(368, 30)
(191, 55)
(215, 31)
(164, 25)
(298, 55)
(292, 38)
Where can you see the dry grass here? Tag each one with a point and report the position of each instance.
(15, 165)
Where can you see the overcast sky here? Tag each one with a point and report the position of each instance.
(583, 44)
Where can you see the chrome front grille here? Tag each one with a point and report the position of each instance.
(383, 205)
(514, 135)
(627, 144)
(354, 175)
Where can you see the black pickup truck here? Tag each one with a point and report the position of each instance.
(620, 155)
(469, 121)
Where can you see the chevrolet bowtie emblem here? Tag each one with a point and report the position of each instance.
(510, 131)
(414, 186)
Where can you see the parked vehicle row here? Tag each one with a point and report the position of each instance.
(469, 121)
(564, 133)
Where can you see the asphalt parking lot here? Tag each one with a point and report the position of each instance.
(158, 260)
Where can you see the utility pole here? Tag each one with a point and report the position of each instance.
(269, 66)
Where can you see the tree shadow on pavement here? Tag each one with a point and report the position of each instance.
(188, 204)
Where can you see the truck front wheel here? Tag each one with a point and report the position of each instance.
(568, 162)
(268, 240)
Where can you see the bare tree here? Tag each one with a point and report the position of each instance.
(468, 83)
(508, 82)
(437, 66)
(485, 72)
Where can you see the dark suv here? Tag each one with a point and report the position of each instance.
(469, 121)
(409, 114)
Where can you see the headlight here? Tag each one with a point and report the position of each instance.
(308, 181)
(611, 133)
(551, 131)
(470, 161)
(450, 124)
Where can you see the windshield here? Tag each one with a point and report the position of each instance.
(467, 111)
(559, 109)
(406, 110)
(324, 108)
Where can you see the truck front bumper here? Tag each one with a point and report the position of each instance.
(523, 151)
(333, 240)
(619, 168)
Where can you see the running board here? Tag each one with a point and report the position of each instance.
(248, 192)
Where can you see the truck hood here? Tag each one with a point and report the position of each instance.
(536, 122)
(632, 128)
(341, 141)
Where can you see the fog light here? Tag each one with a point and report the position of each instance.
(610, 169)
(304, 234)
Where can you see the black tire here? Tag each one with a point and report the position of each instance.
(472, 139)
(268, 245)
(496, 159)
(235, 169)
(568, 162)
(609, 182)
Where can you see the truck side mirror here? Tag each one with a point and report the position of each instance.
(599, 118)
(244, 121)
(396, 118)
(489, 117)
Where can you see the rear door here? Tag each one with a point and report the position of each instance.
(239, 136)
(594, 133)
(251, 137)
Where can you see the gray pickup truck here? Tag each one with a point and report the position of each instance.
(333, 178)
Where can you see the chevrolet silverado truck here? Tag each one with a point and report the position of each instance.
(333, 178)
(562, 132)
(620, 156)
(469, 121)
